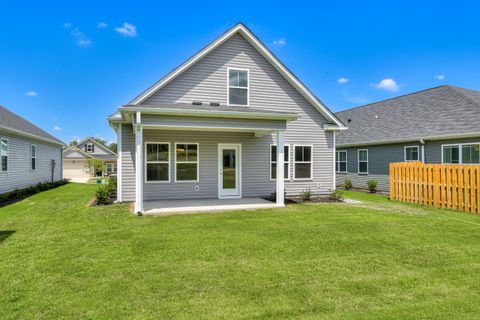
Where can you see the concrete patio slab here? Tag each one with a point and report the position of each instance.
(168, 207)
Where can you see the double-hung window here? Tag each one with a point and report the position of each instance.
(363, 161)
(303, 163)
(186, 159)
(157, 162)
(411, 154)
(4, 154)
(341, 161)
(89, 147)
(33, 155)
(111, 168)
(467, 153)
(273, 162)
(238, 87)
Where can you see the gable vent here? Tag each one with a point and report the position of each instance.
(197, 103)
(215, 104)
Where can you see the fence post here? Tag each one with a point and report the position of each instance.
(392, 183)
(436, 186)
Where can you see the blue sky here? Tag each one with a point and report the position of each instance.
(66, 67)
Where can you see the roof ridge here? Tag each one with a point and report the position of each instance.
(397, 97)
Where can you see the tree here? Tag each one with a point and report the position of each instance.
(72, 143)
(113, 147)
(99, 140)
(95, 164)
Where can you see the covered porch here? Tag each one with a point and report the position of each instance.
(225, 127)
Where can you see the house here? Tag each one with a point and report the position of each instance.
(224, 125)
(76, 164)
(29, 155)
(437, 125)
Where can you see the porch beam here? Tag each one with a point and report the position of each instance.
(280, 170)
(119, 163)
(138, 164)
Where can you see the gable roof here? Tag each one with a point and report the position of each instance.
(264, 51)
(15, 123)
(96, 144)
(72, 149)
(432, 114)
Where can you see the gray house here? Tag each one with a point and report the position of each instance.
(76, 166)
(437, 125)
(29, 155)
(225, 125)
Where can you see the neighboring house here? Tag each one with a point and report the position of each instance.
(28, 154)
(76, 166)
(437, 125)
(211, 127)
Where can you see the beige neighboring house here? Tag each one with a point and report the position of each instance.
(75, 161)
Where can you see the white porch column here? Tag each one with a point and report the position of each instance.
(280, 171)
(138, 164)
(119, 163)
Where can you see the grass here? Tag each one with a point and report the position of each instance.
(374, 260)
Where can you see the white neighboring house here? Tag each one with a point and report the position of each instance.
(75, 161)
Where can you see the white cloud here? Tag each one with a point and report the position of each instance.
(342, 80)
(81, 39)
(387, 84)
(127, 30)
(439, 77)
(57, 128)
(67, 25)
(280, 42)
(32, 93)
(102, 25)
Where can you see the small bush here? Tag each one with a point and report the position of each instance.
(307, 195)
(372, 185)
(103, 194)
(336, 195)
(112, 184)
(347, 184)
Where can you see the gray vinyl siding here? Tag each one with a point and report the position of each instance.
(255, 165)
(98, 150)
(380, 157)
(207, 81)
(128, 163)
(19, 174)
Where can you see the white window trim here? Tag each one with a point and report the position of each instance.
(248, 87)
(346, 161)
(32, 157)
(168, 162)
(112, 166)
(405, 153)
(8, 155)
(287, 178)
(90, 147)
(295, 162)
(358, 162)
(197, 162)
(460, 153)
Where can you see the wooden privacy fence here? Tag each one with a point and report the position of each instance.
(446, 186)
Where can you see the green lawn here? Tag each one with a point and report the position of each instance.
(62, 259)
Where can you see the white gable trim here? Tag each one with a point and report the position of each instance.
(76, 149)
(96, 144)
(260, 47)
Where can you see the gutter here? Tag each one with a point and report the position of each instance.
(428, 138)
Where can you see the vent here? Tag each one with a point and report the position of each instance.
(197, 103)
(349, 120)
(215, 104)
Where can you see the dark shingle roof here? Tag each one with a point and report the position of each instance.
(13, 121)
(439, 111)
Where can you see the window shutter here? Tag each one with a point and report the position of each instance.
(93, 147)
(85, 147)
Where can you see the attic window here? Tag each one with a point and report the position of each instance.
(89, 147)
(238, 87)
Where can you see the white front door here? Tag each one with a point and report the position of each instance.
(229, 171)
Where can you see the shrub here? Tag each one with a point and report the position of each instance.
(372, 185)
(103, 194)
(336, 195)
(347, 184)
(307, 195)
(112, 184)
(19, 194)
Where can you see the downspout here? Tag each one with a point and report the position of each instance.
(422, 147)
